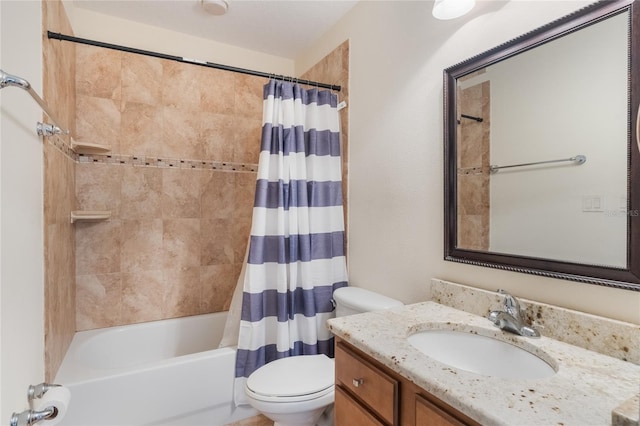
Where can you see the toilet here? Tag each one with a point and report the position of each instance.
(296, 391)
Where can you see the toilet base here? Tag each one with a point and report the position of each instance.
(320, 417)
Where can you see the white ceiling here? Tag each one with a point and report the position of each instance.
(283, 28)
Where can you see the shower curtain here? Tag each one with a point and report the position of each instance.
(296, 254)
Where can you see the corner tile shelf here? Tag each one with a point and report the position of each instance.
(88, 148)
(89, 215)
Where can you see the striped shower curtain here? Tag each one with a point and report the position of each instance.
(296, 253)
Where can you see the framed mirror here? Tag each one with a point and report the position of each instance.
(542, 160)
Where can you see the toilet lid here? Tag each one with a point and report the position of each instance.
(293, 376)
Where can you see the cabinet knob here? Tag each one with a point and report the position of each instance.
(357, 382)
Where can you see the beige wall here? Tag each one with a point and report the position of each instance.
(21, 257)
(109, 29)
(398, 52)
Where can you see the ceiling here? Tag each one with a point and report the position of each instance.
(283, 28)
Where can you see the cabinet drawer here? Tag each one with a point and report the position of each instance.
(349, 413)
(373, 387)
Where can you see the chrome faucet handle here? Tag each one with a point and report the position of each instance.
(511, 304)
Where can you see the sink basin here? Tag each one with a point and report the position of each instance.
(480, 354)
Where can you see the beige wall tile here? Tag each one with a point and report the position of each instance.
(141, 244)
(217, 91)
(181, 193)
(141, 79)
(217, 134)
(98, 72)
(249, 95)
(98, 121)
(98, 247)
(180, 88)
(141, 193)
(217, 194)
(98, 187)
(216, 241)
(181, 243)
(142, 296)
(141, 129)
(94, 292)
(248, 133)
(218, 283)
(180, 134)
(182, 292)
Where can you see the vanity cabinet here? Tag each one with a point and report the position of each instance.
(370, 394)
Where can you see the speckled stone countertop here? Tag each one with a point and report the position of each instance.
(587, 387)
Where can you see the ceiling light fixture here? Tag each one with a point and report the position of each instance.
(450, 9)
(215, 7)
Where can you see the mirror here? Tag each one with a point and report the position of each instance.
(542, 161)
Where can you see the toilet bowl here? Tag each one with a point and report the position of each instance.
(296, 391)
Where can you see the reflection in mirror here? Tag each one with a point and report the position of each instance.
(540, 172)
(522, 111)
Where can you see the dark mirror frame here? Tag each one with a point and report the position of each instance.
(625, 278)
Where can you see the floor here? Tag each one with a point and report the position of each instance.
(258, 420)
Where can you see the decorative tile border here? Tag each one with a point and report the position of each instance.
(149, 161)
(62, 145)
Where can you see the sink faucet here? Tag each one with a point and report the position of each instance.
(511, 318)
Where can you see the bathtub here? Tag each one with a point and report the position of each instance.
(158, 373)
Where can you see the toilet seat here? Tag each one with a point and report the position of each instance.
(292, 379)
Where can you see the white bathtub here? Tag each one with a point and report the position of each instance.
(156, 373)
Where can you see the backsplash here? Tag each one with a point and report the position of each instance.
(603, 335)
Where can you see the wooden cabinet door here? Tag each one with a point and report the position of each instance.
(428, 414)
(348, 412)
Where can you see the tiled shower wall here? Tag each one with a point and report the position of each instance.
(176, 239)
(473, 168)
(59, 192)
(180, 214)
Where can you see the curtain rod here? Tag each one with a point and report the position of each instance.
(60, 36)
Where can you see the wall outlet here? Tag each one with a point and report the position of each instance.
(592, 203)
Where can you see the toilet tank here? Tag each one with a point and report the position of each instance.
(355, 300)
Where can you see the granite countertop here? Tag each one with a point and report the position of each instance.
(587, 387)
